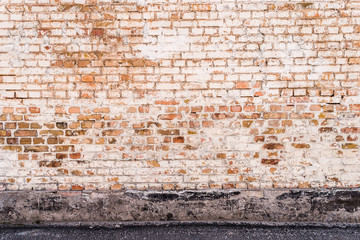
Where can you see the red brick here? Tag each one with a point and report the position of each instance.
(87, 78)
(97, 32)
(25, 133)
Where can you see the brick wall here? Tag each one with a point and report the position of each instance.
(179, 94)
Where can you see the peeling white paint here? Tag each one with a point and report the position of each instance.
(164, 48)
(141, 3)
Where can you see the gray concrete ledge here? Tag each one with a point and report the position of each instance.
(115, 225)
(322, 206)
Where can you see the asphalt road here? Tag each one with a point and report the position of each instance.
(182, 231)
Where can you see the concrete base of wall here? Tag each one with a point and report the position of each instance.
(307, 205)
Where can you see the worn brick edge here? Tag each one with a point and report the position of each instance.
(281, 205)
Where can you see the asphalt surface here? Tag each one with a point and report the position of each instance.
(182, 231)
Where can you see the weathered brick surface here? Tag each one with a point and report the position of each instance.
(175, 94)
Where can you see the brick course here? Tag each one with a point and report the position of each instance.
(155, 94)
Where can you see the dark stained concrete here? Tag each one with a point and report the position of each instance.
(268, 205)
